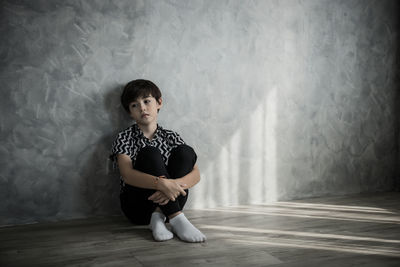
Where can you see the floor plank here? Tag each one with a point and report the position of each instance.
(358, 230)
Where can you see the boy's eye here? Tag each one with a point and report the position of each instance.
(134, 105)
(147, 101)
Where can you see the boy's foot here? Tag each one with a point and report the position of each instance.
(157, 226)
(185, 230)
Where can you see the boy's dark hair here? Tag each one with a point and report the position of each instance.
(139, 88)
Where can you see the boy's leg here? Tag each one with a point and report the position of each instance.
(134, 206)
(180, 163)
(134, 200)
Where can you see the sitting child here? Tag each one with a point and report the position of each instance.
(157, 168)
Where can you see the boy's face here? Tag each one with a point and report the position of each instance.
(144, 110)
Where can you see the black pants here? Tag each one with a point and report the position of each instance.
(134, 202)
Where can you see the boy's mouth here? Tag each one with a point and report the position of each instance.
(145, 115)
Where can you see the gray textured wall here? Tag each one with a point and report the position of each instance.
(280, 99)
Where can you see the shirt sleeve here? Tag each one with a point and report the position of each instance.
(121, 145)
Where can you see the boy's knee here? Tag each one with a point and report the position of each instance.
(150, 154)
(184, 152)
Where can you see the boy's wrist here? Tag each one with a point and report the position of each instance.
(158, 180)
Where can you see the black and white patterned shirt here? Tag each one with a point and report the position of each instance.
(131, 140)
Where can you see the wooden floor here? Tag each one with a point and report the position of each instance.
(362, 230)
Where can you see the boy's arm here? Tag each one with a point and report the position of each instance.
(171, 188)
(190, 179)
(186, 182)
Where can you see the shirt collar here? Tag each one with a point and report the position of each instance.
(139, 132)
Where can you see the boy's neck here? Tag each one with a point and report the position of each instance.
(148, 130)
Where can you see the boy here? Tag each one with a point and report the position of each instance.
(157, 168)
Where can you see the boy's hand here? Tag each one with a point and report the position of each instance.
(159, 198)
(171, 188)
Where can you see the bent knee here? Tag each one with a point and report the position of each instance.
(150, 153)
(149, 150)
(183, 152)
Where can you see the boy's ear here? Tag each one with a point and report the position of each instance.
(160, 101)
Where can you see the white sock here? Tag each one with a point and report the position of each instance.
(157, 226)
(185, 230)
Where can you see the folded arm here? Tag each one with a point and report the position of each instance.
(187, 181)
(171, 188)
